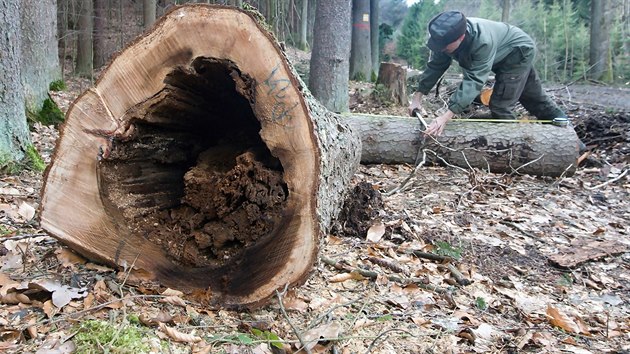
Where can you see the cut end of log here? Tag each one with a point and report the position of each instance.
(194, 159)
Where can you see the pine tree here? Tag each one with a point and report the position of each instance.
(411, 44)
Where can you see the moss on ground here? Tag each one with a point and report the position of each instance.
(95, 335)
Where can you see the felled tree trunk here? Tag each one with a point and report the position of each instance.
(527, 148)
(393, 77)
(200, 159)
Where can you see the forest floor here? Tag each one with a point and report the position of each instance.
(521, 264)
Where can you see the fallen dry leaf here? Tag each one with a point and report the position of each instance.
(68, 258)
(173, 300)
(346, 276)
(560, 319)
(61, 294)
(292, 302)
(581, 251)
(325, 331)
(375, 232)
(26, 211)
(178, 336)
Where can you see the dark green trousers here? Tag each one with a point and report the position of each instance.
(517, 81)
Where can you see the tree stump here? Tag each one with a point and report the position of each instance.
(527, 148)
(393, 77)
(200, 159)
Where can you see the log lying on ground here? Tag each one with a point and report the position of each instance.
(527, 148)
(200, 159)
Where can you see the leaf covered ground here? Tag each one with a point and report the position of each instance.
(458, 261)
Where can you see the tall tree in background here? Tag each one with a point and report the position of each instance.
(84, 63)
(40, 58)
(360, 53)
(411, 44)
(148, 12)
(599, 53)
(100, 24)
(374, 38)
(328, 78)
(505, 13)
(14, 137)
(302, 42)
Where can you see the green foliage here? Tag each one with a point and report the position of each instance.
(58, 85)
(445, 249)
(94, 335)
(49, 114)
(268, 336)
(411, 43)
(385, 318)
(34, 160)
(481, 303)
(359, 76)
(565, 280)
(4, 230)
(561, 35)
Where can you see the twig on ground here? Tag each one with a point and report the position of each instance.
(518, 228)
(515, 170)
(396, 268)
(297, 333)
(373, 275)
(431, 256)
(609, 181)
(459, 277)
(411, 174)
(369, 349)
(21, 237)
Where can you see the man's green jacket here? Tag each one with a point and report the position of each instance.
(487, 47)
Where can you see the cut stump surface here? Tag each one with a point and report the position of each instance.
(200, 158)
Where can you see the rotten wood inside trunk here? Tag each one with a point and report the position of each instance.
(192, 174)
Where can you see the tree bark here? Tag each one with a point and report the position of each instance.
(374, 34)
(40, 59)
(149, 9)
(303, 43)
(100, 27)
(14, 136)
(328, 76)
(84, 60)
(528, 148)
(599, 52)
(393, 77)
(505, 11)
(360, 53)
(200, 159)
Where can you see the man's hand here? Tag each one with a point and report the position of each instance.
(416, 103)
(437, 126)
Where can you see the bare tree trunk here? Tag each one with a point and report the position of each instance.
(14, 136)
(374, 33)
(84, 41)
(360, 53)
(100, 26)
(303, 43)
(599, 53)
(505, 11)
(203, 162)
(529, 148)
(328, 77)
(40, 57)
(149, 8)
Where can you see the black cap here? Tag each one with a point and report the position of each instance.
(445, 28)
